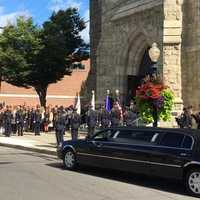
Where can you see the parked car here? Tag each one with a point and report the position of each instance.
(167, 153)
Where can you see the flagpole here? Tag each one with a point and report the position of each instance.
(78, 104)
(93, 100)
(108, 103)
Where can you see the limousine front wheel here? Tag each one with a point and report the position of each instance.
(193, 182)
(69, 159)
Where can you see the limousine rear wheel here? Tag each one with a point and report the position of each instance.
(69, 159)
(193, 182)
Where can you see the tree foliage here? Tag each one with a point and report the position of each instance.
(33, 56)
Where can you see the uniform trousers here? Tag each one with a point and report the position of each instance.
(74, 134)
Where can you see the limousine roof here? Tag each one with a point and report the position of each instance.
(193, 132)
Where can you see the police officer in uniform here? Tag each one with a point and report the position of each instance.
(20, 121)
(75, 124)
(37, 120)
(104, 118)
(115, 116)
(130, 117)
(91, 120)
(60, 123)
(7, 118)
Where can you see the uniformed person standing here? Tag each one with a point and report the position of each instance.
(115, 116)
(104, 118)
(130, 117)
(20, 117)
(91, 120)
(14, 125)
(37, 120)
(75, 124)
(1, 119)
(60, 122)
(7, 119)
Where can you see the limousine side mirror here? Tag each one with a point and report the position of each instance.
(88, 139)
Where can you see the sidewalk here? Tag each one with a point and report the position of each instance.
(45, 143)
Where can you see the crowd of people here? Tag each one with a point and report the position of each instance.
(188, 118)
(22, 118)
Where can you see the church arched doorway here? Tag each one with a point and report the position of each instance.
(135, 80)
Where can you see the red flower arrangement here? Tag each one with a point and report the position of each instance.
(150, 91)
(154, 100)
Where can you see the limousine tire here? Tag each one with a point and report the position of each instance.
(69, 159)
(192, 182)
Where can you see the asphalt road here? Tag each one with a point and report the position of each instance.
(33, 176)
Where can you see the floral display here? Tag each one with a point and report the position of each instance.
(154, 100)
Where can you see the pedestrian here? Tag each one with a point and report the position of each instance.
(91, 120)
(7, 119)
(75, 124)
(130, 117)
(185, 120)
(60, 126)
(37, 120)
(46, 120)
(115, 116)
(14, 125)
(32, 115)
(196, 117)
(20, 117)
(1, 120)
(104, 118)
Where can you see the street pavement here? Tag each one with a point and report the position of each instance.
(45, 143)
(26, 175)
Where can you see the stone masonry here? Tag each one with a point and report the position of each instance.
(125, 29)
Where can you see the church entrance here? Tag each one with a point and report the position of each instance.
(135, 80)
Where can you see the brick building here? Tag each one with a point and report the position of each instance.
(62, 93)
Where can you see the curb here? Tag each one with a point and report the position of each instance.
(43, 151)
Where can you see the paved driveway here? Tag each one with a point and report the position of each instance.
(32, 176)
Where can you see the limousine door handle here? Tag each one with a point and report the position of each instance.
(183, 154)
(97, 144)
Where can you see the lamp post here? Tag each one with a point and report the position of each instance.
(117, 95)
(154, 54)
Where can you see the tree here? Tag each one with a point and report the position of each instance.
(32, 56)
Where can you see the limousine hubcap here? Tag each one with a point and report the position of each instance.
(194, 182)
(69, 159)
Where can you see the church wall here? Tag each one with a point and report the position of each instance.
(123, 43)
(172, 46)
(191, 53)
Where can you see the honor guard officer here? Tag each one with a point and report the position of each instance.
(104, 118)
(75, 124)
(7, 118)
(60, 123)
(20, 121)
(130, 117)
(115, 116)
(91, 120)
(37, 120)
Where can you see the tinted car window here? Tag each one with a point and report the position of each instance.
(172, 140)
(103, 135)
(187, 143)
(129, 136)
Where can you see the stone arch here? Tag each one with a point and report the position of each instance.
(131, 56)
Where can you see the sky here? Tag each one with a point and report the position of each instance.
(40, 10)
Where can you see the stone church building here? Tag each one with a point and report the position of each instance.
(122, 31)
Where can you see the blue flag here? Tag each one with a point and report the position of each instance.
(108, 103)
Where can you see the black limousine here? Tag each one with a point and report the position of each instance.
(168, 153)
